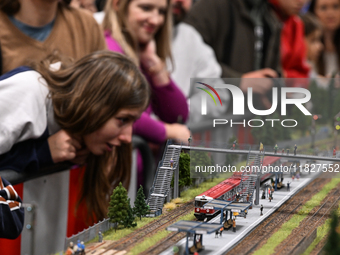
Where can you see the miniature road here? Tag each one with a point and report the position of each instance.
(229, 239)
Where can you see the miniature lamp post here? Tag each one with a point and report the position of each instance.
(313, 128)
(337, 127)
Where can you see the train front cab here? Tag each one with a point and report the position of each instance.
(202, 213)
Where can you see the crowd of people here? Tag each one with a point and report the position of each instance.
(80, 77)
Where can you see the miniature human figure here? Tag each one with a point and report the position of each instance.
(234, 225)
(261, 147)
(221, 231)
(234, 144)
(76, 249)
(69, 250)
(237, 197)
(295, 148)
(287, 151)
(171, 163)
(261, 209)
(189, 140)
(248, 197)
(82, 248)
(276, 148)
(293, 176)
(283, 151)
(79, 247)
(334, 152)
(269, 194)
(100, 237)
(263, 194)
(216, 234)
(288, 186)
(297, 176)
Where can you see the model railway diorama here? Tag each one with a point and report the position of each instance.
(247, 201)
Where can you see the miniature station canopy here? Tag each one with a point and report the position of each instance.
(229, 206)
(196, 228)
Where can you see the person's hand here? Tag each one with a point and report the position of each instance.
(177, 131)
(153, 65)
(260, 86)
(64, 147)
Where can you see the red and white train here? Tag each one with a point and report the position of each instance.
(226, 190)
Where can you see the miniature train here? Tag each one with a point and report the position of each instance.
(226, 190)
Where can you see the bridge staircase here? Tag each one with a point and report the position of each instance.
(248, 179)
(161, 185)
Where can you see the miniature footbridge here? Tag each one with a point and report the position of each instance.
(255, 152)
(161, 185)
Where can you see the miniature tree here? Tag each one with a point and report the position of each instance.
(141, 208)
(184, 170)
(129, 220)
(118, 206)
(332, 244)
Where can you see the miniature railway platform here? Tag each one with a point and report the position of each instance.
(195, 228)
(244, 226)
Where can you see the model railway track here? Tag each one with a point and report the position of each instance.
(138, 235)
(164, 244)
(258, 236)
(309, 224)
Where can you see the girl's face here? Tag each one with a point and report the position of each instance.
(114, 132)
(314, 45)
(145, 17)
(328, 12)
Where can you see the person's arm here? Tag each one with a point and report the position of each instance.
(29, 155)
(169, 103)
(150, 129)
(11, 212)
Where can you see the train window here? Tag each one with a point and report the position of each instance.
(200, 203)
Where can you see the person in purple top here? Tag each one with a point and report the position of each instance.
(141, 29)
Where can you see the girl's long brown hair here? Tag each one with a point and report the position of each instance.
(85, 95)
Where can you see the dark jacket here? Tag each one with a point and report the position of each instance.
(226, 25)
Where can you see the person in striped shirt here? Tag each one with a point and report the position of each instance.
(11, 212)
